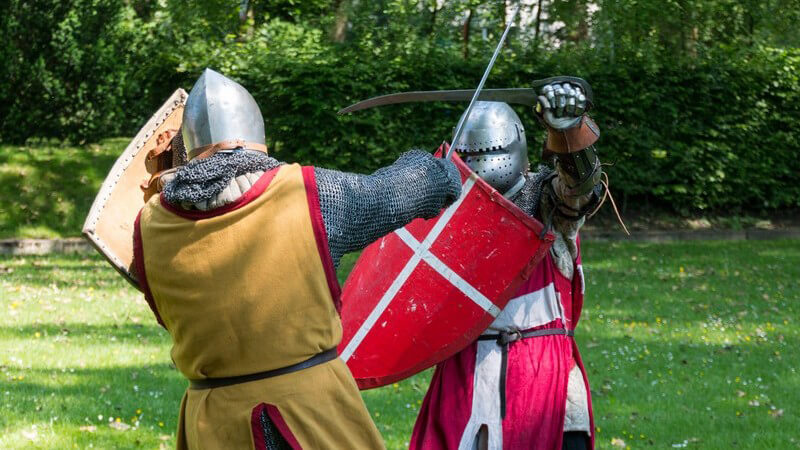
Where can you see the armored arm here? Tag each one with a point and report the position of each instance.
(561, 198)
(358, 209)
(575, 187)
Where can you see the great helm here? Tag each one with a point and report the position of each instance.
(493, 145)
(221, 115)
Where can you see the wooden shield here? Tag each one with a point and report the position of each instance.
(109, 225)
(425, 291)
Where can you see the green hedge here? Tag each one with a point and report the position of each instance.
(716, 132)
(720, 135)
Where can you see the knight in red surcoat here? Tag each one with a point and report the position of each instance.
(521, 384)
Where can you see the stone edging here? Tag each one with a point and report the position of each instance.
(44, 246)
(80, 245)
(691, 235)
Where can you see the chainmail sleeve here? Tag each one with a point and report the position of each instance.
(358, 209)
(529, 197)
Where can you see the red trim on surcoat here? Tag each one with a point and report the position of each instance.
(259, 442)
(277, 419)
(138, 266)
(253, 193)
(317, 223)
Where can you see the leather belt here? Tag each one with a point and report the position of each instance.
(209, 383)
(504, 338)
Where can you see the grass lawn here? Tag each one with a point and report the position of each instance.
(46, 190)
(687, 345)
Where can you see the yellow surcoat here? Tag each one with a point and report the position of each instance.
(247, 288)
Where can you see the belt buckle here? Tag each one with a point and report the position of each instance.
(509, 337)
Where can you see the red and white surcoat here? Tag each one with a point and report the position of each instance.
(547, 391)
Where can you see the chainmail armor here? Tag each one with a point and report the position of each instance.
(202, 179)
(528, 198)
(273, 440)
(178, 150)
(358, 209)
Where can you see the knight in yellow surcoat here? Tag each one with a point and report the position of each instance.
(237, 260)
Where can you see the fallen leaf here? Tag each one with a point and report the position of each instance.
(121, 426)
(31, 435)
(776, 413)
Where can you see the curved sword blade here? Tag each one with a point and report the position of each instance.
(522, 96)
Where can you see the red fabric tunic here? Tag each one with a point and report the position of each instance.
(464, 394)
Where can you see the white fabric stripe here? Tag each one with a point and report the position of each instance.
(576, 417)
(448, 273)
(485, 408)
(405, 273)
(583, 280)
(530, 310)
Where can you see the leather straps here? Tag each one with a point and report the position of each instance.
(504, 338)
(163, 143)
(209, 383)
(210, 150)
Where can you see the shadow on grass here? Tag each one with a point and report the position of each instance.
(62, 271)
(76, 398)
(123, 332)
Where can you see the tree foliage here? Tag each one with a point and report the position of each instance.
(697, 99)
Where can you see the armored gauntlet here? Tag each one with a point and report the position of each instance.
(571, 133)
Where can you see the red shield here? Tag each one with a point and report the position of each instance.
(425, 291)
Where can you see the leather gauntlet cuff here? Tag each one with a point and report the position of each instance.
(573, 139)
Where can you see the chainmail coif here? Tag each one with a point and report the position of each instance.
(202, 179)
(358, 209)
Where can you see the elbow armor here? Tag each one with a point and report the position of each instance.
(584, 169)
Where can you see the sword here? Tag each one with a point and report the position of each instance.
(463, 119)
(520, 96)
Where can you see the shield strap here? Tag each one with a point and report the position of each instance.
(504, 338)
(210, 150)
(161, 160)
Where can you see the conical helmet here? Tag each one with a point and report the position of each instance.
(220, 110)
(493, 145)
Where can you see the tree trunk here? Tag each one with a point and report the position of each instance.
(339, 30)
(538, 22)
(432, 23)
(582, 30)
(244, 7)
(244, 32)
(465, 33)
